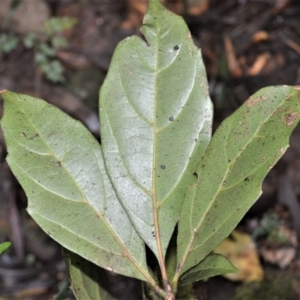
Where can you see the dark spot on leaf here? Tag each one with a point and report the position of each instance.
(171, 119)
(163, 167)
(58, 164)
(51, 133)
(246, 179)
(229, 160)
(196, 140)
(24, 134)
(176, 48)
(290, 118)
(34, 136)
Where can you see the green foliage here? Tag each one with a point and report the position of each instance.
(59, 24)
(272, 229)
(269, 223)
(156, 177)
(88, 281)
(45, 43)
(4, 246)
(8, 42)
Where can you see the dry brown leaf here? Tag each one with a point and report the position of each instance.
(259, 64)
(281, 257)
(233, 64)
(73, 60)
(136, 12)
(137, 9)
(197, 7)
(280, 5)
(293, 45)
(260, 36)
(241, 251)
(176, 6)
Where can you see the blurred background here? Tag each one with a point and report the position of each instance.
(60, 50)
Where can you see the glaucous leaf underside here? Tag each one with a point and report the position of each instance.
(59, 164)
(230, 174)
(105, 202)
(156, 118)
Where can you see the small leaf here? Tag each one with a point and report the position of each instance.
(59, 164)
(8, 42)
(242, 151)
(88, 281)
(212, 265)
(156, 118)
(4, 246)
(58, 24)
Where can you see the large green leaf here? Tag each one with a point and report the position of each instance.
(244, 148)
(212, 265)
(59, 164)
(88, 281)
(155, 115)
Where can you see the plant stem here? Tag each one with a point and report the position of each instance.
(156, 287)
(167, 286)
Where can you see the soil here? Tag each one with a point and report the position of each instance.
(246, 45)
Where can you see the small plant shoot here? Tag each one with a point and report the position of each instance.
(158, 181)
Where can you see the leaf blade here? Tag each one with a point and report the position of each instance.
(212, 265)
(88, 281)
(232, 169)
(59, 164)
(155, 117)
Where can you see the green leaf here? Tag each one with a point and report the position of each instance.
(4, 246)
(59, 24)
(242, 151)
(8, 42)
(88, 281)
(59, 164)
(212, 265)
(29, 40)
(53, 71)
(155, 117)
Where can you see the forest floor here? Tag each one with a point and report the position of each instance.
(246, 45)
